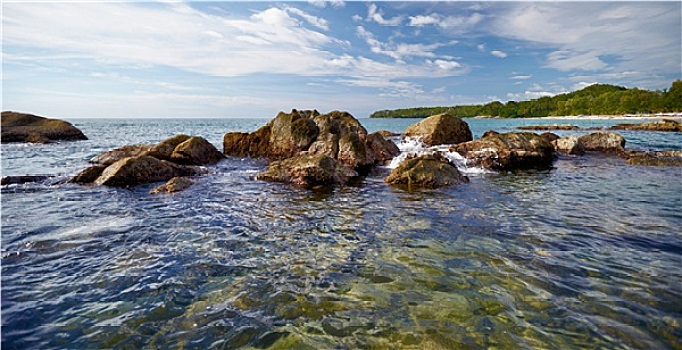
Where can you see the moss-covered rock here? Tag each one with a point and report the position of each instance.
(308, 171)
(427, 171)
(22, 127)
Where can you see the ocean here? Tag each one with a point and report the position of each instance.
(586, 255)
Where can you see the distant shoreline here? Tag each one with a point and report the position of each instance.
(674, 116)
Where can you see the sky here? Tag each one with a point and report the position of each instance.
(217, 59)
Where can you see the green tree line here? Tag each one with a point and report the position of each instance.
(593, 100)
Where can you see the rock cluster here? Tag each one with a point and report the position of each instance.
(21, 127)
(140, 164)
(309, 149)
(427, 171)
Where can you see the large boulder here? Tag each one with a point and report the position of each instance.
(661, 125)
(164, 149)
(242, 144)
(339, 122)
(382, 150)
(427, 171)
(141, 170)
(196, 151)
(291, 133)
(110, 157)
(569, 145)
(508, 151)
(353, 152)
(607, 142)
(308, 171)
(21, 127)
(441, 129)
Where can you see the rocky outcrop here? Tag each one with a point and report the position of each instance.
(548, 127)
(549, 137)
(427, 171)
(173, 185)
(21, 127)
(140, 164)
(606, 142)
(441, 129)
(569, 145)
(110, 157)
(196, 151)
(309, 171)
(383, 150)
(662, 125)
(141, 170)
(508, 151)
(386, 133)
(337, 135)
(658, 158)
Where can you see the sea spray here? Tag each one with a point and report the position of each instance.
(411, 147)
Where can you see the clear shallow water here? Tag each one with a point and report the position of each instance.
(586, 255)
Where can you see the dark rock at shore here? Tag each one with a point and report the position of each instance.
(309, 171)
(662, 125)
(386, 133)
(508, 151)
(89, 174)
(426, 171)
(22, 179)
(21, 127)
(382, 149)
(549, 137)
(441, 129)
(291, 133)
(173, 185)
(548, 127)
(164, 149)
(606, 142)
(655, 158)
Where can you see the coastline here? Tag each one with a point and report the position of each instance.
(673, 116)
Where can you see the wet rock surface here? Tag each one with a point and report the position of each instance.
(427, 171)
(22, 127)
(508, 151)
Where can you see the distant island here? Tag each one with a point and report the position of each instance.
(597, 99)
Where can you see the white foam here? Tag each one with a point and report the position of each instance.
(413, 147)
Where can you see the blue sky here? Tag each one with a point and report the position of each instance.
(252, 59)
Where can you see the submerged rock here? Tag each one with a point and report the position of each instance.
(548, 127)
(22, 179)
(441, 129)
(22, 127)
(173, 185)
(426, 171)
(309, 171)
(607, 142)
(569, 145)
(661, 125)
(656, 158)
(508, 151)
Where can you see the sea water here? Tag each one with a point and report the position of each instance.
(586, 255)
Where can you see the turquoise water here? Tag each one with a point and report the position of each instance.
(586, 255)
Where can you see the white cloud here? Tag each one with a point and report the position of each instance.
(376, 15)
(323, 4)
(498, 54)
(521, 77)
(481, 47)
(399, 51)
(312, 20)
(458, 23)
(598, 36)
(357, 18)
